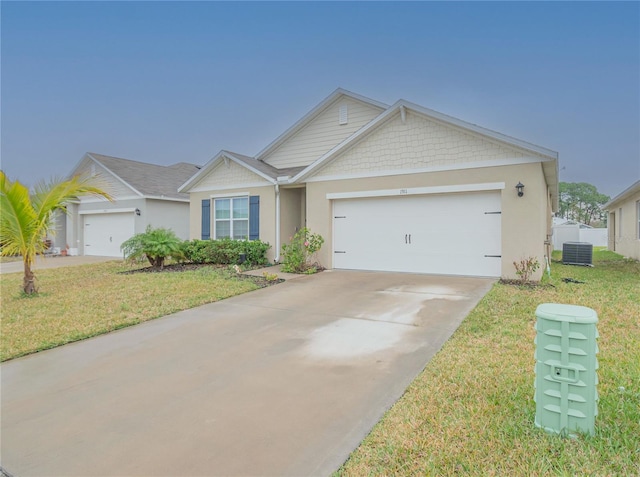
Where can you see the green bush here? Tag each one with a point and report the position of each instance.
(300, 255)
(155, 245)
(226, 251)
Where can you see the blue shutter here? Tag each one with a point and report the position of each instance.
(254, 217)
(206, 219)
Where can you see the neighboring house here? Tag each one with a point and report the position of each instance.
(570, 231)
(145, 194)
(392, 188)
(624, 222)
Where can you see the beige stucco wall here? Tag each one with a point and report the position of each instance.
(267, 212)
(627, 241)
(525, 225)
(291, 214)
(322, 133)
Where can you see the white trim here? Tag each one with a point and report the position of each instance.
(430, 114)
(450, 167)
(247, 166)
(447, 189)
(96, 200)
(131, 197)
(230, 187)
(107, 211)
(307, 118)
(622, 196)
(125, 183)
(229, 196)
(174, 199)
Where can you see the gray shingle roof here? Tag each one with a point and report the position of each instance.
(265, 168)
(149, 179)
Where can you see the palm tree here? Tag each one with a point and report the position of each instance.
(27, 218)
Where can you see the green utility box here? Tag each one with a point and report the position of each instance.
(565, 383)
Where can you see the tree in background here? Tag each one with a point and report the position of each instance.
(26, 218)
(581, 202)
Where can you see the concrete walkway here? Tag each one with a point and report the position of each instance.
(286, 380)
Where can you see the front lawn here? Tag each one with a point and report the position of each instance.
(79, 302)
(471, 411)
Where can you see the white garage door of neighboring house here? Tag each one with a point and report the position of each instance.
(104, 233)
(454, 234)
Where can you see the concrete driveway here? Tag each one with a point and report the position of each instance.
(286, 380)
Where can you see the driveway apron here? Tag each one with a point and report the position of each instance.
(286, 380)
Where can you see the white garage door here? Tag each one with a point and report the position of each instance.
(104, 233)
(454, 234)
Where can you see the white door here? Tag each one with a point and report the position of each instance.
(104, 233)
(453, 234)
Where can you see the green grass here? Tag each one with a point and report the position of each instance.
(79, 302)
(471, 411)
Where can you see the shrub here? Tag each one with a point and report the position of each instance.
(226, 251)
(155, 245)
(526, 267)
(300, 255)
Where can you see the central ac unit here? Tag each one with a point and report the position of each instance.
(577, 253)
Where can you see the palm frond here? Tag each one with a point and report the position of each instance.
(17, 217)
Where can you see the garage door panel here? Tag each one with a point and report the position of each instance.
(457, 234)
(104, 233)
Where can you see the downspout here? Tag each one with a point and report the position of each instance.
(277, 252)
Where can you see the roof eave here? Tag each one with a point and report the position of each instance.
(116, 176)
(632, 189)
(311, 114)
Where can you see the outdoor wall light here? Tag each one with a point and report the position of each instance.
(520, 189)
(138, 210)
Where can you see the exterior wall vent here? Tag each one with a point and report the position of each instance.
(577, 253)
(343, 115)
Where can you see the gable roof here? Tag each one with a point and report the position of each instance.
(549, 160)
(260, 168)
(628, 192)
(311, 115)
(147, 180)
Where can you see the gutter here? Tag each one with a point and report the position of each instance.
(277, 253)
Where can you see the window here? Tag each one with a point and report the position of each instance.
(638, 217)
(231, 218)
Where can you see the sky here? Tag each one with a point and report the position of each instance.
(165, 82)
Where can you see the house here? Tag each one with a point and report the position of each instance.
(624, 222)
(145, 194)
(392, 188)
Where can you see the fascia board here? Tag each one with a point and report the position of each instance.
(430, 113)
(635, 187)
(396, 107)
(363, 131)
(312, 114)
(247, 166)
(116, 176)
(213, 162)
(198, 175)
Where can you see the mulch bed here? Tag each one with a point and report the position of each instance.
(183, 267)
(521, 284)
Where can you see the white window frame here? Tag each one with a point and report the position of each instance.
(232, 220)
